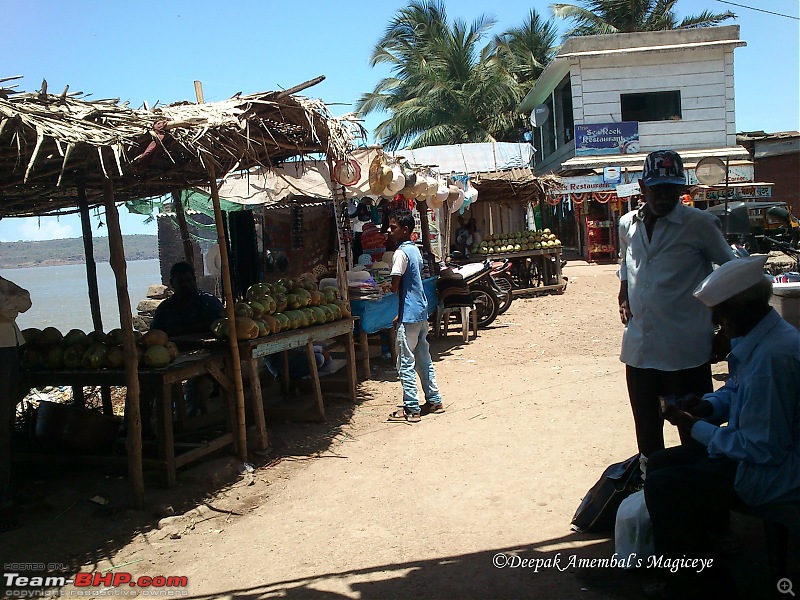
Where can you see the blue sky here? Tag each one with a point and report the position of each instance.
(154, 50)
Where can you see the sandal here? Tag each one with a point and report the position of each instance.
(431, 408)
(403, 415)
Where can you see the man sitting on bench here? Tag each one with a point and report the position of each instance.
(752, 461)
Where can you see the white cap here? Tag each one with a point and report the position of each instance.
(733, 277)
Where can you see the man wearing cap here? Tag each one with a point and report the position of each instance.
(666, 249)
(753, 460)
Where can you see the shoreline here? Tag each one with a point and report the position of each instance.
(57, 262)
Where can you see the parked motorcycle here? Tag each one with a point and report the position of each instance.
(485, 294)
(501, 275)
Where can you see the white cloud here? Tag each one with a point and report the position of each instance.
(46, 228)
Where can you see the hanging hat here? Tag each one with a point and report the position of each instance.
(456, 199)
(442, 192)
(380, 175)
(398, 181)
(434, 202)
(346, 172)
(410, 175)
(473, 191)
(732, 278)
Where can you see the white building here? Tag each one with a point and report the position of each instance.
(623, 96)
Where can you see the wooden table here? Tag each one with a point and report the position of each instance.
(533, 277)
(186, 366)
(251, 350)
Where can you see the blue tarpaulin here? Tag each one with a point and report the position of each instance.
(379, 314)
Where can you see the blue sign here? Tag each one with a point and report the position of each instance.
(607, 138)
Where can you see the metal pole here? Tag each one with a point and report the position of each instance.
(727, 178)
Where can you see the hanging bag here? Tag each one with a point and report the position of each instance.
(598, 509)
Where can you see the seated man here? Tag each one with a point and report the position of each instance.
(187, 311)
(753, 460)
(298, 362)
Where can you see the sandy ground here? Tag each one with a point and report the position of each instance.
(361, 508)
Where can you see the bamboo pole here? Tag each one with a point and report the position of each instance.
(241, 442)
(188, 249)
(91, 265)
(133, 443)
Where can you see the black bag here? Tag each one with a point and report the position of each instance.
(597, 512)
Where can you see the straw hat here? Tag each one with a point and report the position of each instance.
(346, 172)
(380, 175)
(455, 199)
(434, 202)
(398, 181)
(442, 192)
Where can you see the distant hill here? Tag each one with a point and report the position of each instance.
(69, 251)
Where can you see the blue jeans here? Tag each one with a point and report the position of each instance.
(414, 356)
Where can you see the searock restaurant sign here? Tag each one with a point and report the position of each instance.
(607, 138)
(589, 183)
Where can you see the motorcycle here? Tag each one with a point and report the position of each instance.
(485, 293)
(503, 281)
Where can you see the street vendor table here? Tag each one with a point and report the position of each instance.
(251, 350)
(534, 270)
(186, 366)
(378, 315)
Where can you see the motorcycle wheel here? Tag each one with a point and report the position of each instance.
(505, 285)
(486, 303)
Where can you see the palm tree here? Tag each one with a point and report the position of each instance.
(526, 50)
(445, 88)
(598, 17)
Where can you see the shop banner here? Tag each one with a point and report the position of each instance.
(626, 190)
(607, 138)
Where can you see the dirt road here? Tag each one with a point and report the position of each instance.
(536, 409)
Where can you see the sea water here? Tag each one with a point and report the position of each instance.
(60, 294)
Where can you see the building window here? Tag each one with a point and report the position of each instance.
(651, 106)
(564, 118)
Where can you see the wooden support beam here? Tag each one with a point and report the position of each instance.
(133, 443)
(91, 266)
(241, 437)
(425, 230)
(180, 216)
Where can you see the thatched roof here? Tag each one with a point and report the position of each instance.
(51, 144)
(516, 185)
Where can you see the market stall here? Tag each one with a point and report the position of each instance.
(70, 155)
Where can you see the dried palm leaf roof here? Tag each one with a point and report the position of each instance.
(516, 185)
(50, 145)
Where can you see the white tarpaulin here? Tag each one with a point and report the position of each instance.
(472, 158)
(308, 178)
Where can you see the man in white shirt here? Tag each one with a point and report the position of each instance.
(666, 250)
(13, 300)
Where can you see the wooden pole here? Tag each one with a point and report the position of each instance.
(425, 230)
(226, 287)
(133, 443)
(91, 266)
(188, 249)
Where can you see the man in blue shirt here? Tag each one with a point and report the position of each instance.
(753, 460)
(413, 350)
(666, 249)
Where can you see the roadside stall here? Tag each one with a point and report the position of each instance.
(495, 208)
(66, 155)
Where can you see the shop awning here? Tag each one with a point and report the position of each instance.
(738, 156)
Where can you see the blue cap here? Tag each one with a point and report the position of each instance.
(663, 166)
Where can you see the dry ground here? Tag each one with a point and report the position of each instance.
(360, 508)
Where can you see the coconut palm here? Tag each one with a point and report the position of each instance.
(526, 50)
(446, 87)
(597, 17)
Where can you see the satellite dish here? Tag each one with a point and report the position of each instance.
(539, 115)
(710, 170)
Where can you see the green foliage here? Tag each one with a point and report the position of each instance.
(447, 85)
(599, 17)
(70, 251)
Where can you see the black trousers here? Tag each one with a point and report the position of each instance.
(687, 493)
(644, 388)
